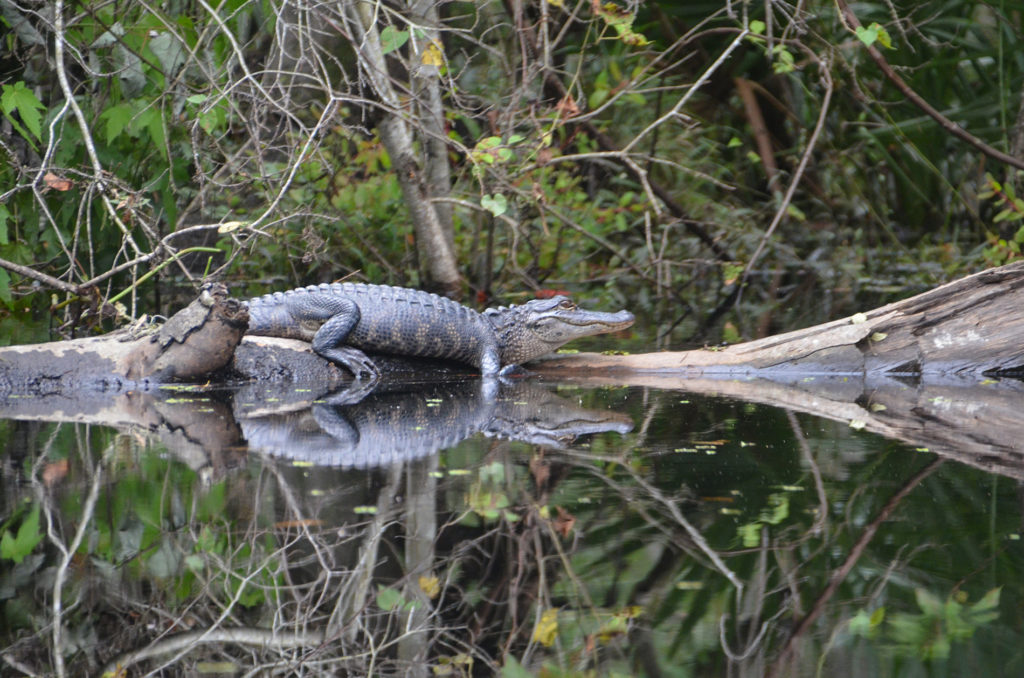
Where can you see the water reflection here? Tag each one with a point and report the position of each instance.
(402, 423)
(719, 537)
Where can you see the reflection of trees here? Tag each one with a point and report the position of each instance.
(629, 559)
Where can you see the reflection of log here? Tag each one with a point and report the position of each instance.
(978, 424)
(196, 341)
(911, 371)
(196, 427)
(971, 326)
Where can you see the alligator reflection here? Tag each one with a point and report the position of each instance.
(401, 424)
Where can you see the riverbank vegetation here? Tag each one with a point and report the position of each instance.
(724, 169)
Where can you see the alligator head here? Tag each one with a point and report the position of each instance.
(542, 325)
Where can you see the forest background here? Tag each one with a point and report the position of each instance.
(723, 169)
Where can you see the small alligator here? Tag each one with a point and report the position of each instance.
(344, 319)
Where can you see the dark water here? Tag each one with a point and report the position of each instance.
(560, 530)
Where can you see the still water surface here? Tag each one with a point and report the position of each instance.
(538, 529)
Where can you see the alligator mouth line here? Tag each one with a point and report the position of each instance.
(603, 323)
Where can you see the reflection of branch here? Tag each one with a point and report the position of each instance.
(819, 485)
(851, 559)
(352, 596)
(67, 553)
(183, 643)
(691, 531)
(916, 99)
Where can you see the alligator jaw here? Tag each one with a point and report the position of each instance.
(541, 326)
(597, 322)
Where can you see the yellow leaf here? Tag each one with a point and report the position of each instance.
(432, 55)
(547, 628)
(430, 585)
(230, 226)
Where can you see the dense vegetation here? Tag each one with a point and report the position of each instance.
(665, 155)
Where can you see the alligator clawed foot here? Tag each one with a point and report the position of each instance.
(364, 371)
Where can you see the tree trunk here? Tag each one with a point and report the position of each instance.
(434, 243)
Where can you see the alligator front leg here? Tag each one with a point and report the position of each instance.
(329, 340)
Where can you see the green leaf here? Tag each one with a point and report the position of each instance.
(795, 212)
(877, 616)
(928, 602)
(866, 35)
(750, 534)
(513, 669)
(17, 547)
(166, 560)
(197, 98)
(170, 51)
(391, 39)
(987, 609)
(597, 98)
(757, 26)
(151, 120)
(780, 508)
(496, 204)
(884, 38)
(389, 599)
(18, 97)
(1003, 215)
(865, 625)
(783, 60)
(213, 119)
(117, 118)
(5, 214)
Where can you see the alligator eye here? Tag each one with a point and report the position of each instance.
(566, 304)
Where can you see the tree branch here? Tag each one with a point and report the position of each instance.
(914, 98)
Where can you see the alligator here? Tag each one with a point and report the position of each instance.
(342, 320)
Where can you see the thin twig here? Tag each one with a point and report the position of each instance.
(797, 174)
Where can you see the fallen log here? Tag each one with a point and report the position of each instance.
(194, 343)
(970, 327)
